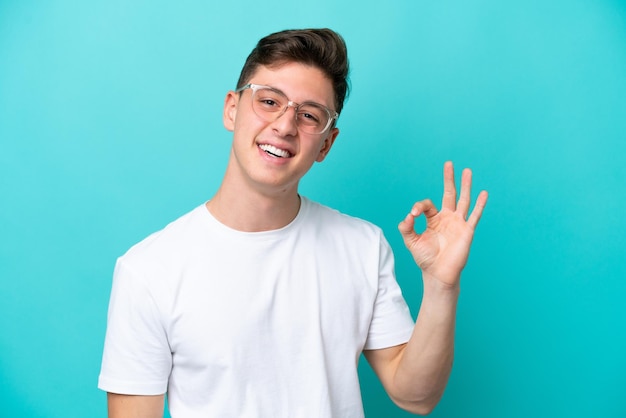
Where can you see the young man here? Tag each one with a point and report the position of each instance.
(260, 302)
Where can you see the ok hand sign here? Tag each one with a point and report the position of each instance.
(441, 250)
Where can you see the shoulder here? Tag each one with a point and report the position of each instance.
(333, 221)
(173, 239)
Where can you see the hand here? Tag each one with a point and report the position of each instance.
(441, 251)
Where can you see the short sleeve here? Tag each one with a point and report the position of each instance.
(391, 323)
(137, 359)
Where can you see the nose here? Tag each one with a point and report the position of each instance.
(286, 125)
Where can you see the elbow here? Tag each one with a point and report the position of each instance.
(418, 408)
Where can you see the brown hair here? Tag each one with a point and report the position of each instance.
(322, 48)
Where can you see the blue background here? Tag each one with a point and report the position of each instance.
(110, 127)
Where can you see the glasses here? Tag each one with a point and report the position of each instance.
(269, 104)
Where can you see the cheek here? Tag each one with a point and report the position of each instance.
(246, 121)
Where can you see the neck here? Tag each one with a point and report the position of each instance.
(253, 212)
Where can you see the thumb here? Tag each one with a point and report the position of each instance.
(406, 228)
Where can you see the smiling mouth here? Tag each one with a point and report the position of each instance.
(275, 152)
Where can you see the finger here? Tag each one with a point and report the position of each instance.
(466, 187)
(426, 206)
(449, 189)
(406, 227)
(481, 202)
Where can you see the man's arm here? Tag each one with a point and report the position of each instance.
(135, 406)
(415, 374)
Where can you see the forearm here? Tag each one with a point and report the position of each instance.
(418, 371)
(424, 365)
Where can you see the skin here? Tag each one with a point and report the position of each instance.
(415, 374)
(127, 406)
(259, 192)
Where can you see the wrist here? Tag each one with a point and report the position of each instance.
(439, 301)
(439, 294)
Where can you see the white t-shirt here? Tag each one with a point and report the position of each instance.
(264, 324)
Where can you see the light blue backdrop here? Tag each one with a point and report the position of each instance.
(110, 127)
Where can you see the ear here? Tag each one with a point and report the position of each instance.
(230, 110)
(327, 144)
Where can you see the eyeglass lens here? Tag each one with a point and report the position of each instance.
(269, 104)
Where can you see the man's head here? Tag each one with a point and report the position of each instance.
(320, 48)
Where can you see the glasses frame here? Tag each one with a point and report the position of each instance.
(332, 115)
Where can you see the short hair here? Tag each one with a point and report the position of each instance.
(324, 49)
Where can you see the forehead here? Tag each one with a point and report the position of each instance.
(300, 82)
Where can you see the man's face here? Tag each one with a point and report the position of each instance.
(273, 156)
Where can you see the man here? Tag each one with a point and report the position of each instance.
(260, 302)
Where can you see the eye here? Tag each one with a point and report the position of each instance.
(312, 114)
(268, 100)
(268, 103)
(309, 117)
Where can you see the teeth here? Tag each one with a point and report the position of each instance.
(274, 151)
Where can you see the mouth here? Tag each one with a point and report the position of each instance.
(274, 151)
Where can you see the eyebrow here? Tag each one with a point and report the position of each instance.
(285, 94)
